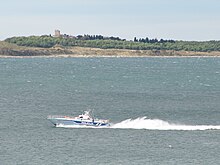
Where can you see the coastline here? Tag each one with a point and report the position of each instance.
(104, 56)
(13, 51)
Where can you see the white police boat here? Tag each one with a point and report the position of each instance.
(85, 119)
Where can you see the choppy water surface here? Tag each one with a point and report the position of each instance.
(162, 110)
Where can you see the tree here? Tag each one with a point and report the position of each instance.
(135, 39)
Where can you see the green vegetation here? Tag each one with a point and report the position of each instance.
(10, 49)
(98, 41)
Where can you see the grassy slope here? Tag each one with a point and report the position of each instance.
(8, 45)
(7, 49)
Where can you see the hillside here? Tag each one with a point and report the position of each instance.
(10, 49)
(99, 41)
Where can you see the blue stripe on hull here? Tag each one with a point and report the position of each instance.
(71, 122)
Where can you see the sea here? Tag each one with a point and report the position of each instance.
(162, 110)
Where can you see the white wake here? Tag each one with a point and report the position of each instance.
(148, 124)
(157, 124)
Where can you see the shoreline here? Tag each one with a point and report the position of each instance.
(13, 51)
(106, 56)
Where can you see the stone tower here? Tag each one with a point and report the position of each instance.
(57, 33)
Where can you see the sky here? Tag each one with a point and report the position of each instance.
(168, 19)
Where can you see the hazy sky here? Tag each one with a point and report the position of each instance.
(168, 19)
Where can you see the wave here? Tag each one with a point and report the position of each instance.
(157, 124)
(149, 124)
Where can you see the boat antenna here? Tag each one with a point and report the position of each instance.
(91, 113)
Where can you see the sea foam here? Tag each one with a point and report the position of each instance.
(150, 124)
(157, 124)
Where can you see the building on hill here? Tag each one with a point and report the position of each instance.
(57, 33)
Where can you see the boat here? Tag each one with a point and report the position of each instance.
(85, 119)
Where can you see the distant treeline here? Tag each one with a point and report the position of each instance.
(97, 37)
(98, 41)
(147, 40)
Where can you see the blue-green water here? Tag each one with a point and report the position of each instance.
(179, 96)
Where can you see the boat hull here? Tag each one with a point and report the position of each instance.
(62, 121)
